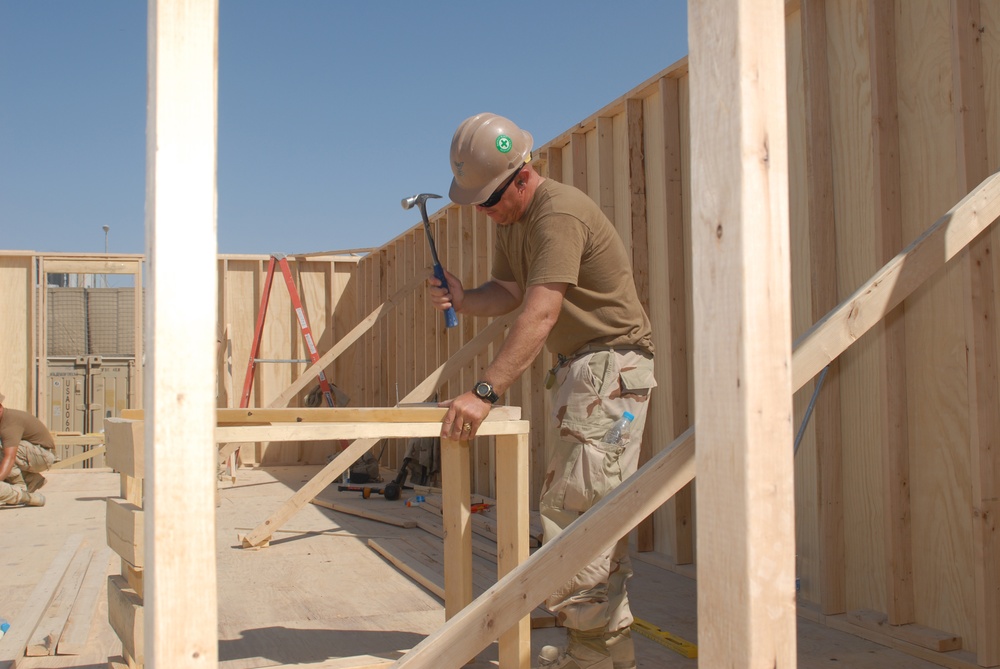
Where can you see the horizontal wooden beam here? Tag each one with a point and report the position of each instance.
(338, 430)
(96, 266)
(896, 281)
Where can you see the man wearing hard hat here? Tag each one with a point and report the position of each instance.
(558, 256)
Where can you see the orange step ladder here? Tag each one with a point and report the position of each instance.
(279, 260)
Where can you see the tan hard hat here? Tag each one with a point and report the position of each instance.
(485, 150)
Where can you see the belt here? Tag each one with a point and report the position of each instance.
(550, 377)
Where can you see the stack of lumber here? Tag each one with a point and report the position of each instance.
(124, 444)
(58, 616)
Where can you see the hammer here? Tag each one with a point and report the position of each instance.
(450, 319)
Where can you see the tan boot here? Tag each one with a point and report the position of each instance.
(585, 650)
(622, 649)
(31, 498)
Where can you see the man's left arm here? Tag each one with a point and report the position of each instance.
(542, 304)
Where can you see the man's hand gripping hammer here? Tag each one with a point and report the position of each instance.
(450, 318)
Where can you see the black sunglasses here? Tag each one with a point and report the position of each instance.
(492, 200)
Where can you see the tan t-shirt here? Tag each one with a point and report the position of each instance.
(17, 425)
(564, 237)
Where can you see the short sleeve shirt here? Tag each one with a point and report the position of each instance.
(16, 426)
(564, 237)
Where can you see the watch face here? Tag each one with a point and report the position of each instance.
(484, 390)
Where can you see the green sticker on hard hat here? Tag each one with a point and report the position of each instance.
(504, 145)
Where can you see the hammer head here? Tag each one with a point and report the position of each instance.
(418, 200)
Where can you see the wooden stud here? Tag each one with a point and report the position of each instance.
(742, 325)
(127, 616)
(456, 501)
(49, 629)
(640, 264)
(81, 618)
(578, 156)
(892, 373)
(677, 283)
(605, 195)
(124, 522)
(512, 538)
(823, 289)
(981, 331)
(181, 628)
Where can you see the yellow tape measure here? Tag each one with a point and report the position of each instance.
(671, 641)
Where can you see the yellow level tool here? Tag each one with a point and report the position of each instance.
(671, 641)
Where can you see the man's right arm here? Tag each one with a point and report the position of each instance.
(7, 462)
(493, 298)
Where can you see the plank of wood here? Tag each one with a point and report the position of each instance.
(123, 440)
(375, 661)
(981, 285)
(50, 628)
(81, 457)
(823, 291)
(24, 623)
(673, 334)
(126, 615)
(124, 523)
(403, 557)
(455, 493)
(77, 630)
(742, 320)
(434, 525)
(892, 344)
(919, 635)
(369, 514)
(182, 39)
(419, 412)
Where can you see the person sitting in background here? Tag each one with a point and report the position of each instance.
(28, 450)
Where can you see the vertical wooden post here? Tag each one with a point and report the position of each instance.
(180, 586)
(900, 605)
(981, 332)
(457, 518)
(645, 541)
(742, 326)
(676, 354)
(823, 289)
(512, 539)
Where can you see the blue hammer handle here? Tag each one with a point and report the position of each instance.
(450, 317)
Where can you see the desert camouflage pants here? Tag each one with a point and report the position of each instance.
(593, 391)
(31, 460)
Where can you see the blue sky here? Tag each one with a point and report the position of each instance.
(330, 112)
